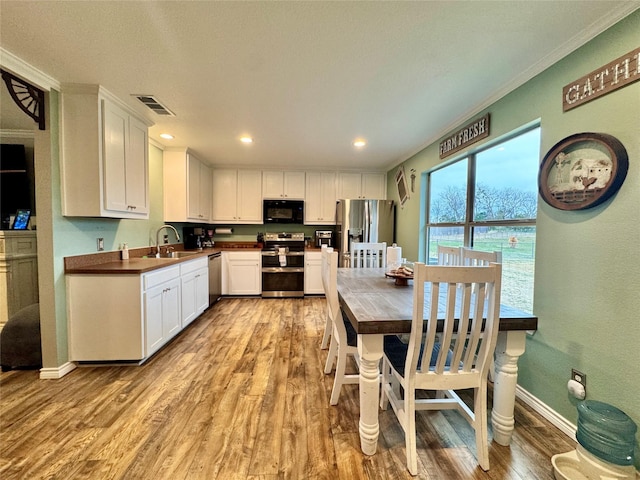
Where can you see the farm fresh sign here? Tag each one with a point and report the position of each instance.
(621, 72)
(467, 135)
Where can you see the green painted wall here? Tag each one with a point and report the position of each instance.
(587, 262)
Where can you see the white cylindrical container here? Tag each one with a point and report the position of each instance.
(394, 256)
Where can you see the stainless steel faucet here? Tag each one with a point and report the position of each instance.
(158, 237)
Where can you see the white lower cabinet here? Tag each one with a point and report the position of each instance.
(162, 314)
(313, 273)
(241, 273)
(129, 317)
(195, 289)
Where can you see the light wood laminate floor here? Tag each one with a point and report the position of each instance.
(240, 394)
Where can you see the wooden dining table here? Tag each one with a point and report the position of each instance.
(376, 307)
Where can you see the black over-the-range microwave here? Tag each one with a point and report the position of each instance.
(283, 211)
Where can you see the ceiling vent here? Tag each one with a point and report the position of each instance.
(154, 104)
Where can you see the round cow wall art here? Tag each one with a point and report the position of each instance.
(582, 171)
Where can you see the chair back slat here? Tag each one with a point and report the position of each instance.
(451, 256)
(466, 299)
(368, 255)
(479, 258)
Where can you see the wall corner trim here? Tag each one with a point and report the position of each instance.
(57, 372)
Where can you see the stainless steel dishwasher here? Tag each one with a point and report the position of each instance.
(215, 277)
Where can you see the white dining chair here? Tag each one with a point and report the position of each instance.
(343, 337)
(449, 255)
(368, 255)
(328, 326)
(446, 365)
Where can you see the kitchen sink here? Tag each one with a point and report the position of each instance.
(178, 254)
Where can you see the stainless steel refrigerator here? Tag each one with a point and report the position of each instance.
(363, 221)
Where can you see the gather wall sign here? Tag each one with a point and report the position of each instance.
(619, 73)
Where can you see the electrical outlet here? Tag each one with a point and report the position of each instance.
(100, 244)
(579, 377)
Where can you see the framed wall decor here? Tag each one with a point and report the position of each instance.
(401, 185)
(582, 171)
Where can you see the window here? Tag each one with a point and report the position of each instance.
(488, 201)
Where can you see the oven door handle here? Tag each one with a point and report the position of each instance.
(282, 269)
(288, 254)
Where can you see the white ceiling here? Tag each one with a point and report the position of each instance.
(304, 78)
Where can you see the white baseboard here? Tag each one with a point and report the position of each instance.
(58, 372)
(565, 426)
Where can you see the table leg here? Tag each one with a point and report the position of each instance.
(509, 348)
(370, 351)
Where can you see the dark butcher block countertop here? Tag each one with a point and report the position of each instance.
(142, 260)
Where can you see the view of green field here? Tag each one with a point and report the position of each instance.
(517, 260)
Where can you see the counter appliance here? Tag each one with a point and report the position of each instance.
(363, 221)
(324, 237)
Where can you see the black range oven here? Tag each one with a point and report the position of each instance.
(283, 265)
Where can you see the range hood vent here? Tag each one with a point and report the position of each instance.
(154, 104)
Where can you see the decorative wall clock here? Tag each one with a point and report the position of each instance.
(582, 171)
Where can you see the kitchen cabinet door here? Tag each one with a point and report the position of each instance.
(186, 187)
(162, 314)
(277, 184)
(249, 198)
(241, 273)
(237, 196)
(194, 277)
(313, 273)
(362, 185)
(320, 203)
(374, 186)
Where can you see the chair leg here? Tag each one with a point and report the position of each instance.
(327, 333)
(331, 356)
(480, 426)
(410, 431)
(339, 378)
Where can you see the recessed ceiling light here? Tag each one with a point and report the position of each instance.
(246, 139)
(359, 143)
(168, 136)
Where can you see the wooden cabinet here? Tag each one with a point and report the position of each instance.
(320, 203)
(277, 184)
(104, 156)
(187, 184)
(162, 310)
(362, 185)
(313, 273)
(194, 276)
(237, 196)
(241, 273)
(18, 272)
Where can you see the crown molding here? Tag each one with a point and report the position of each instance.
(20, 68)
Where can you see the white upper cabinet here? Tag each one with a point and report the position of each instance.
(362, 185)
(105, 148)
(278, 184)
(237, 196)
(187, 187)
(320, 203)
